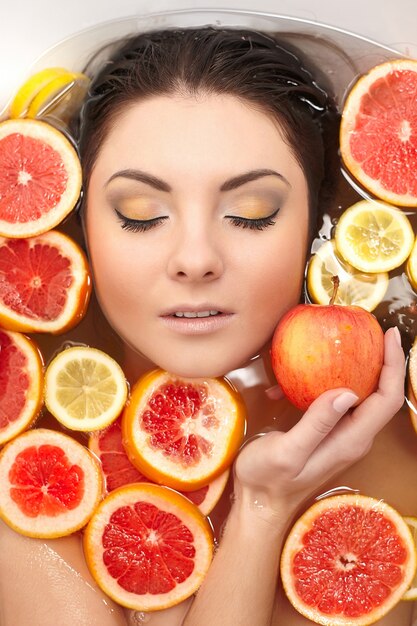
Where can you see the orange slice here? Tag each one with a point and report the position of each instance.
(45, 283)
(85, 389)
(50, 485)
(148, 547)
(107, 445)
(347, 561)
(183, 432)
(378, 130)
(40, 177)
(21, 384)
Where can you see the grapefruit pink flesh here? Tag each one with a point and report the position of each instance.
(14, 380)
(34, 278)
(32, 178)
(383, 140)
(350, 561)
(117, 468)
(44, 482)
(174, 414)
(161, 550)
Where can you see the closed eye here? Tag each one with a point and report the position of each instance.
(137, 226)
(259, 223)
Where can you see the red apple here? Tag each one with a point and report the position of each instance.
(316, 348)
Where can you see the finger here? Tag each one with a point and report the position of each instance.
(317, 422)
(274, 393)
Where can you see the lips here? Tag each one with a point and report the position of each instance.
(192, 311)
(195, 320)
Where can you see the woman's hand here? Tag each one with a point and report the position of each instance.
(282, 468)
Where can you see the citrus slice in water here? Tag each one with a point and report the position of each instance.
(107, 445)
(85, 389)
(31, 87)
(347, 561)
(411, 593)
(355, 288)
(50, 484)
(378, 130)
(40, 177)
(45, 283)
(374, 237)
(411, 267)
(21, 384)
(183, 432)
(412, 367)
(59, 96)
(148, 547)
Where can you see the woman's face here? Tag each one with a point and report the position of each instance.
(197, 221)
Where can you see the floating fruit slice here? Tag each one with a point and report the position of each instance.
(355, 288)
(50, 484)
(378, 130)
(31, 87)
(21, 384)
(40, 177)
(183, 432)
(348, 560)
(148, 547)
(412, 367)
(45, 283)
(374, 237)
(85, 389)
(411, 267)
(58, 94)
(107, 445)
(411, 593)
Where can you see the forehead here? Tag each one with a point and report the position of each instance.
(168, 133)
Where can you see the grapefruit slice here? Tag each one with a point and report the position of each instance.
(348, 560)
(85, 389)
(378, 132)
(21, 384)
(50, 484)
(148, 547)
(45, 283)
(40, 177)
(183, 432)
(107, 445)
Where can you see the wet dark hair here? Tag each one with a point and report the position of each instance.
(251, 66)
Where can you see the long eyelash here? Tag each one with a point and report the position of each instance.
(254, 224)
(136, 226)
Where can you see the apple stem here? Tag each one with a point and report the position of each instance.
(336, 283)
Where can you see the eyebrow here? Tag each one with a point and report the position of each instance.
(228, 185)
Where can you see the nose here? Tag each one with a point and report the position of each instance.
(195, 255)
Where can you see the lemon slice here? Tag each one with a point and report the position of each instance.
(61, 97)
(355, 288)
(374, 237)
(85, 389)
(31, 88)
(411, 267)
(411, 593)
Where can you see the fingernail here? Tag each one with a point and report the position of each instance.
(345, 401)
(397, 335)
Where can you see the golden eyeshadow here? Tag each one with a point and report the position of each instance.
(139, 207)
(252, 207)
